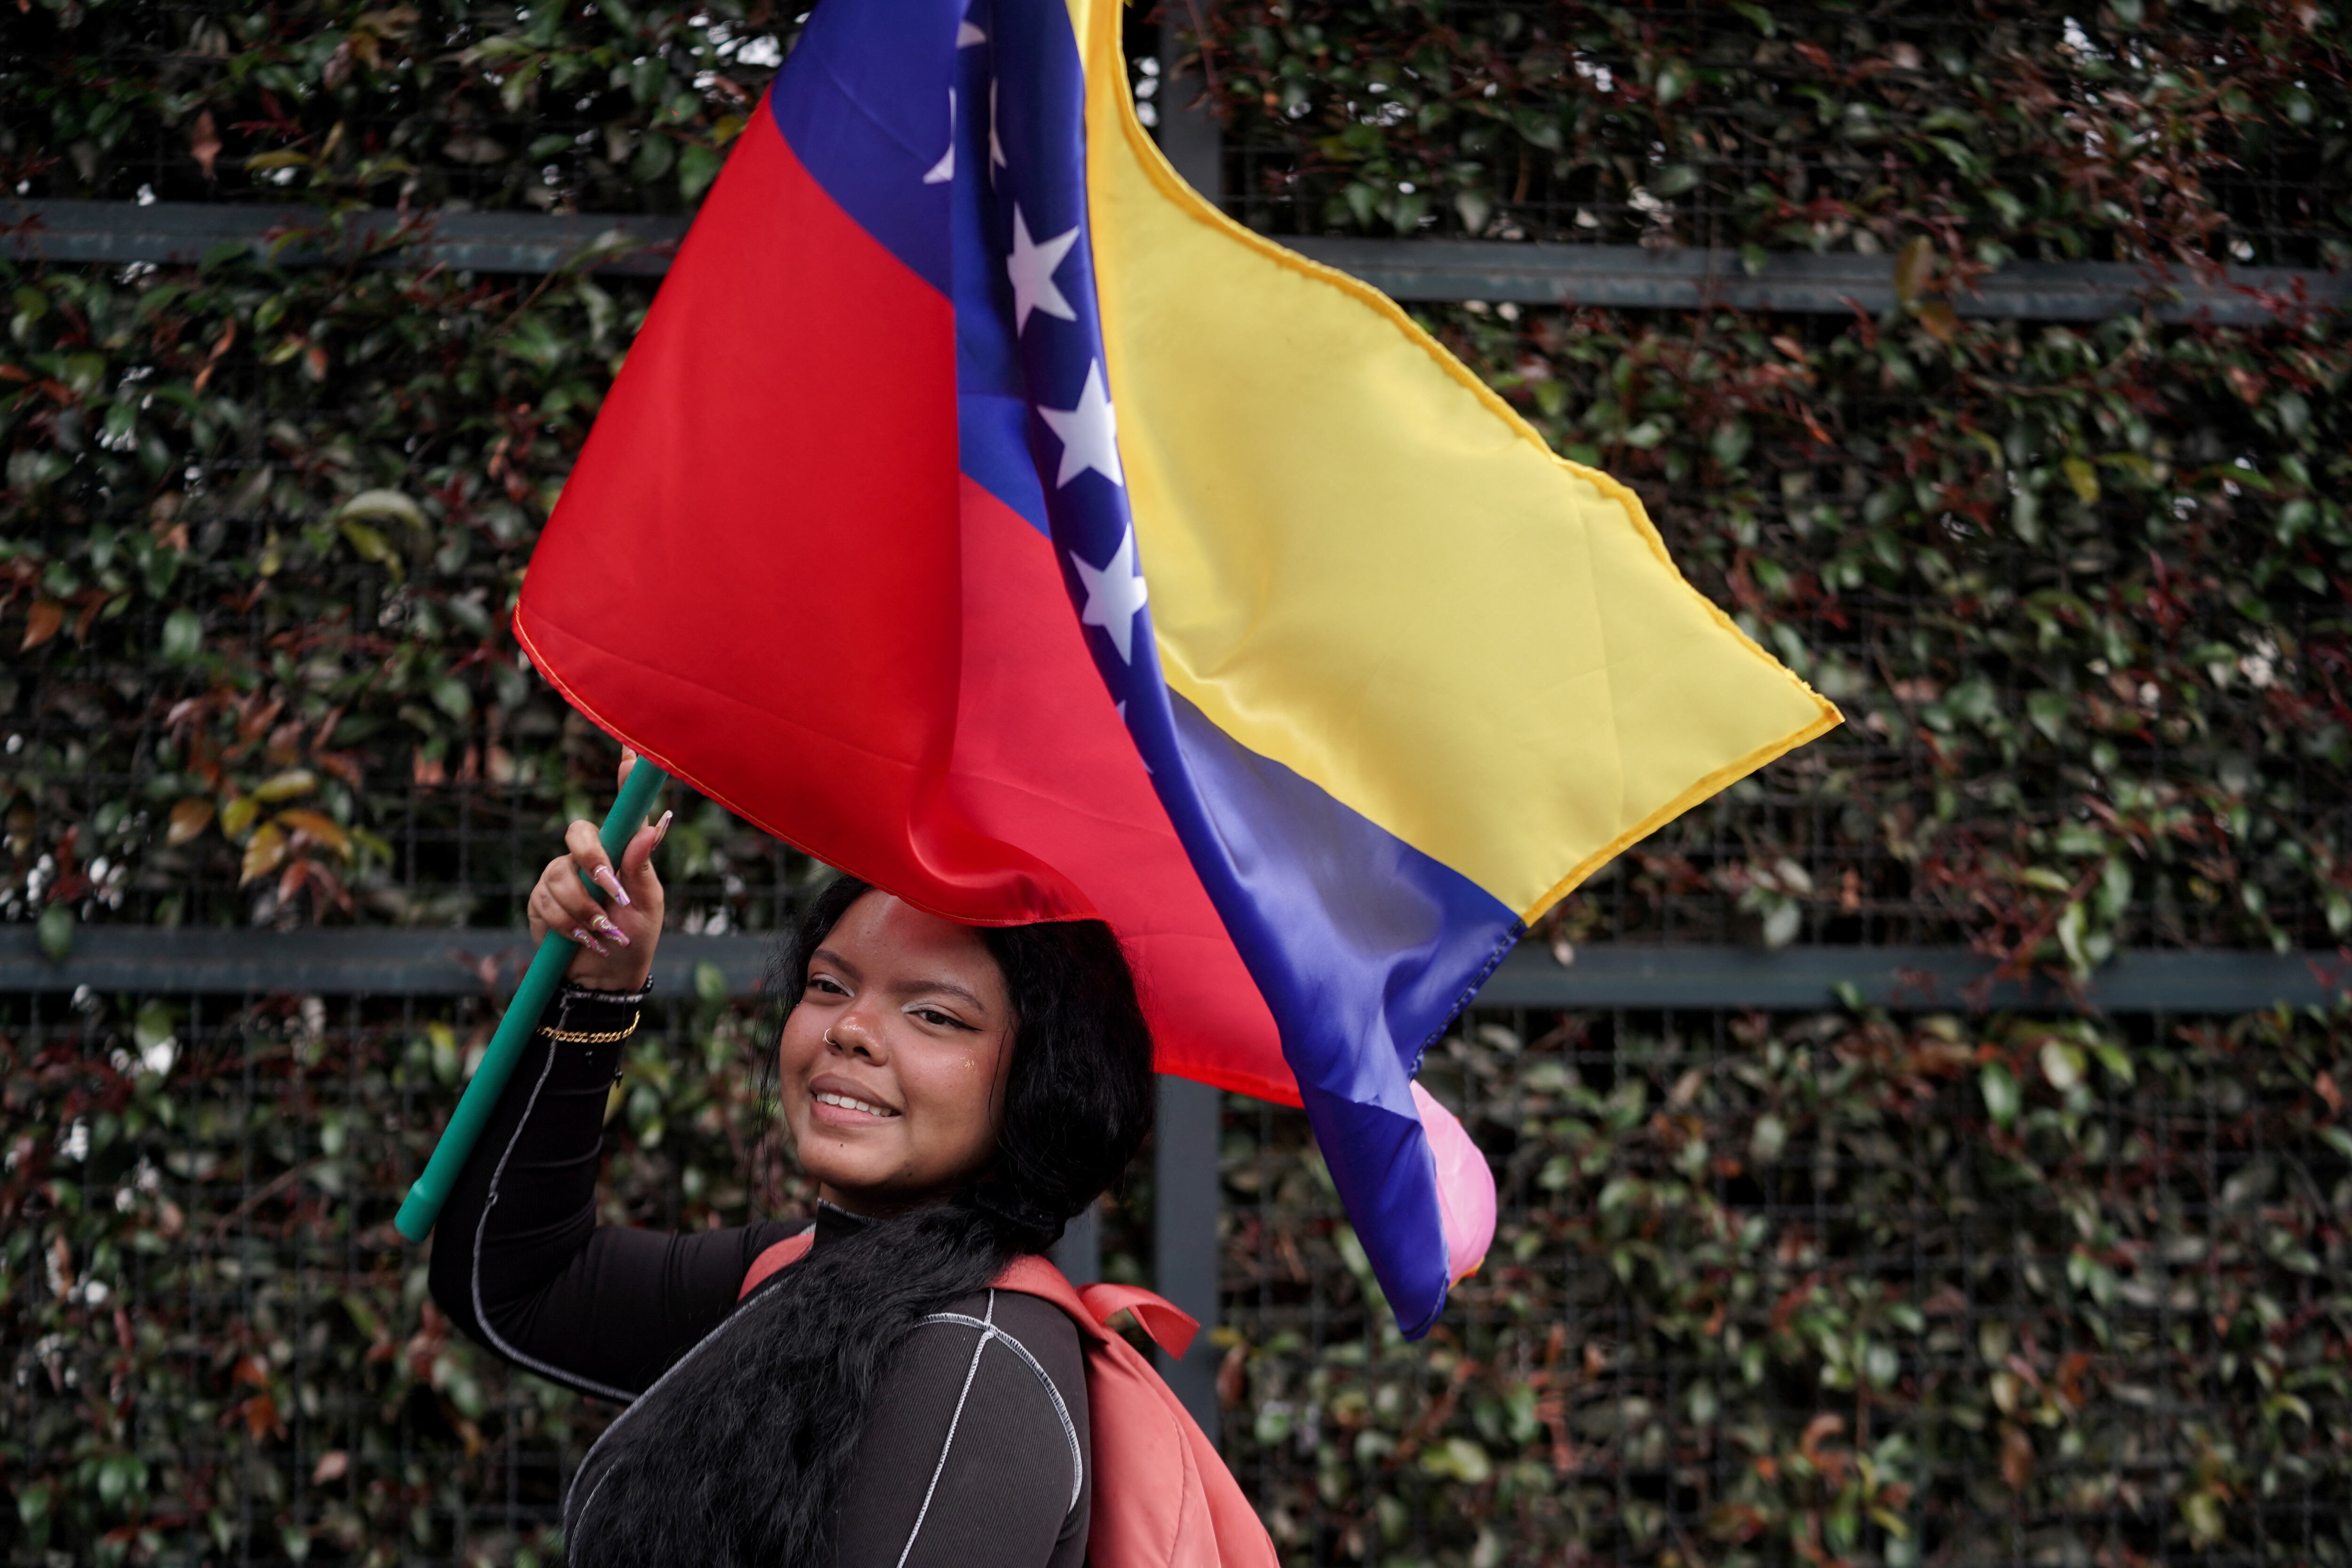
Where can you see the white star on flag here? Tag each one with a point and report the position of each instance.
(944, 169)
(967, 34)
(1030, 267)
(1113, 596)
(1089, 432)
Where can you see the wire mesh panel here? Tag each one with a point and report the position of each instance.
(2012, 131)
(216, 1330)
(454, 105)
(1824, 1288)
(1861, 1287)
(2071, 588)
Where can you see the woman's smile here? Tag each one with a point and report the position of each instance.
(843, 1104)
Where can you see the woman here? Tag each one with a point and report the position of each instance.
(957, 1093)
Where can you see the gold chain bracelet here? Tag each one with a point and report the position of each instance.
(585, 1037)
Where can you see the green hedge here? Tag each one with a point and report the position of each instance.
(1849, 1287)
(2000, 130)
(1832, 1289)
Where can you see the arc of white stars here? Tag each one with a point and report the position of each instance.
(1032, 266)
(1114, 594)
(1088, 433)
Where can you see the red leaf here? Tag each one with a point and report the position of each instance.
(41, 623)
(204, 146)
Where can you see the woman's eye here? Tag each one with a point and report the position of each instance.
(939, 1019)
(828, 985)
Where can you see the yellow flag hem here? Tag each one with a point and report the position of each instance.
(1720, 780)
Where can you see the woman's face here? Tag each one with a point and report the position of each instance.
(892, 1067)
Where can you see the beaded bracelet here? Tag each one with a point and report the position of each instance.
(587, 1037)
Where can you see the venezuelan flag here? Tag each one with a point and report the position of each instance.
(984, 513)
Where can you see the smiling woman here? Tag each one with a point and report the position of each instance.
(892, 1065)
(957, 1093)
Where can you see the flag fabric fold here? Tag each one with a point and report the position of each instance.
(985, 514)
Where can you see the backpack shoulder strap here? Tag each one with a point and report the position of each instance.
(1166, 1324)
(791, 1250)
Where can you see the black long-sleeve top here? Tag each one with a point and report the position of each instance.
(977, 1451)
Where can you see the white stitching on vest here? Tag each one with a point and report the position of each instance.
(481, 1229)
(989, 1331)
(953, 1421)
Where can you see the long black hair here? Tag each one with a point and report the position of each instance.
(741, 1456)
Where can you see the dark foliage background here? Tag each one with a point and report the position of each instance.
(1847, 1287)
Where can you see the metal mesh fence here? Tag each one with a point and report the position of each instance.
(1803, 1287)
(1786, 126)
(297, 1398)
(1779, 1288)
(1891, 830)
(1792, 127)
(1899, 1289)
(578, 141)
(1763, 1288)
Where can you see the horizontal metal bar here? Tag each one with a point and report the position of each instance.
(1630, 278)
(1619, 277)
(1921, 979)
(485, 961)
(475, 961)
(187, 233)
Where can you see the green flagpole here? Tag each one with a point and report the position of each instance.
(423, 1206)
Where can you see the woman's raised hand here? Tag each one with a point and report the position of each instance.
(616, 936)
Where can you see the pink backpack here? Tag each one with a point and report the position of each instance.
(1164, 1497)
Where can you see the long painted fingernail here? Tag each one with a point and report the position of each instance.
(609, 929)
(610, 884)
(661, 829)
(589, 942)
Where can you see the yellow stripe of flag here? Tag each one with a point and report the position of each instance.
(1365, 565)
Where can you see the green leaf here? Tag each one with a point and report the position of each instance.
(697, 166)
(450, 695)
(2002, 1097)
(1730, 442)
(384, 506)
(2047, 711)
(2062, 1065)
(54, 930)
(152, 1027)
(183, 636)
(285, 784)
(1673, 179)
(653, 158)
(1915, 268)
(1457, 1459)
(710, 981)
(372, 546)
